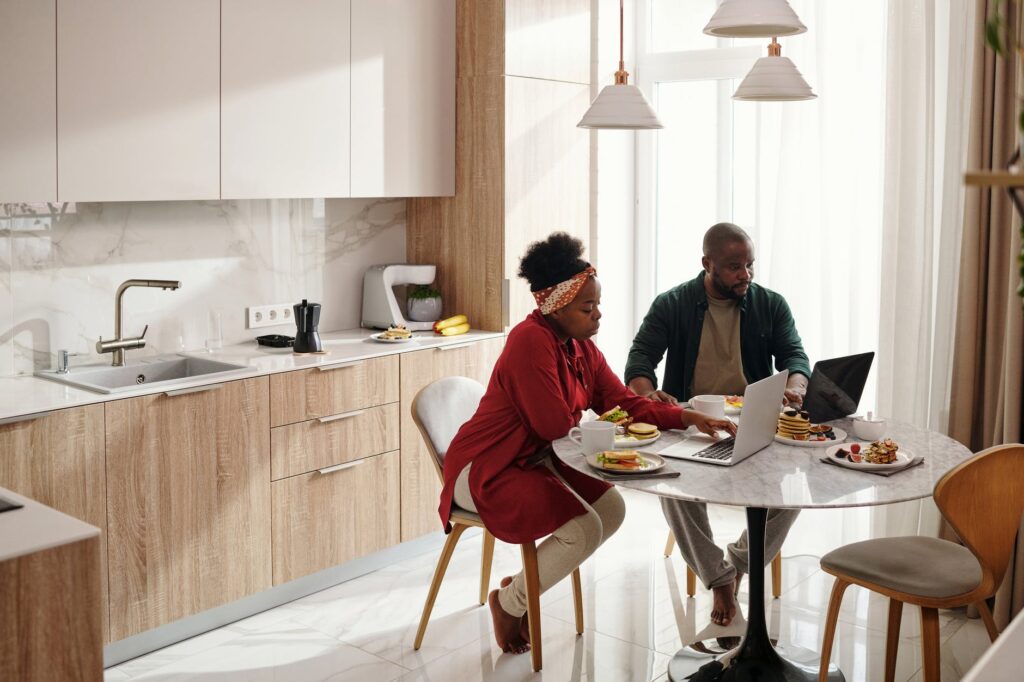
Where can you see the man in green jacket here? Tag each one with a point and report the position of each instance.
(720, 331)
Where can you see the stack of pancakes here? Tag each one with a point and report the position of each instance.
(794, 424)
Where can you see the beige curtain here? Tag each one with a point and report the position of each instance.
(988, 360)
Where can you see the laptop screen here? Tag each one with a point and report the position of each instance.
(836, 386)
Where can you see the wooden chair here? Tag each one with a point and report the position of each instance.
(691, 577)
(982, 499)
(439, 410)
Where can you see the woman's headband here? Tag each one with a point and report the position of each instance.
(560, 295)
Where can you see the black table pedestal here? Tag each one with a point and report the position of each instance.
(756, 660)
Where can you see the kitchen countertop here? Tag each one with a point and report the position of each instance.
(36, 527)
(27, 395)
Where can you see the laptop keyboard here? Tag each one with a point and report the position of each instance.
(722, 450)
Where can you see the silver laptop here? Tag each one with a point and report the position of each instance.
(762, 402)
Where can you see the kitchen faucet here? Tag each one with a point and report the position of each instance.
(119, 345)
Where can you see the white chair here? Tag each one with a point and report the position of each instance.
(439, 411)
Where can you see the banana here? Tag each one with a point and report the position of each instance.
(450, 322)
(454, 331)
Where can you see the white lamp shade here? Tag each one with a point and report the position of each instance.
(621, 107)
(754, 19)
(773, 79)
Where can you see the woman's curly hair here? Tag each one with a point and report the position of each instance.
(551, 261)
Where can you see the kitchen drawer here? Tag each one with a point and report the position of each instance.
(332, 389)
(304, 446)
(325, 519)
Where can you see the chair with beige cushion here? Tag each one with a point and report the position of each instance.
(982, 499)
(691, 577)
(439, 410)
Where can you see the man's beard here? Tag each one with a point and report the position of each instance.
(725, 291)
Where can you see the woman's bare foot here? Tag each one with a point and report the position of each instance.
(723, 609)
(524, 622)
(506, 627)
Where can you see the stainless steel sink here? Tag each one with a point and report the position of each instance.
(162, 372)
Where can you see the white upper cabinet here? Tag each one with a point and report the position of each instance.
(28, 101)
(403, 98)
(285, 98)
(139, 99)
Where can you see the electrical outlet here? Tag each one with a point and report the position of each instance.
(269, 315)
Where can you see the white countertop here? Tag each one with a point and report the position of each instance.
(1002, 660)
(36, 527)
(26, 395)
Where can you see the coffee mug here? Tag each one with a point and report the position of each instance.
(712, 405)
(593, 436)
(869, 429)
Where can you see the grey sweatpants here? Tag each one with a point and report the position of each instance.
(692, 530)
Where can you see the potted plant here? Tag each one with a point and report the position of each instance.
(424, 304)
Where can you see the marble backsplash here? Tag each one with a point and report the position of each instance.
(61, 264)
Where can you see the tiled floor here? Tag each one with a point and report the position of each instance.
(636, 613)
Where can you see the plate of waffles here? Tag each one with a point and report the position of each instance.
(796, 428)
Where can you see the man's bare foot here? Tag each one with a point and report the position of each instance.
(506, 627)
(524, 623)
(723, 609)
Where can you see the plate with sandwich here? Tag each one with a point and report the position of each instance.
(395, 334)
(637, 434)
(625, 461)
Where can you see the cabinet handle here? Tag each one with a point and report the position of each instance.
(337, 417)
(194, 389)
(454, 346)
(339, 467)
(24, 417)
(340, 365)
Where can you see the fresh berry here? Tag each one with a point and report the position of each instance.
(830, 435)
(855, 448)
(841, 453)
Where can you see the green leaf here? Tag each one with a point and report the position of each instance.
(993, 37)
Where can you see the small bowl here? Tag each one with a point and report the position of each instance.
(869, 430)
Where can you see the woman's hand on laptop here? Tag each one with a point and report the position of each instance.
(712, 426)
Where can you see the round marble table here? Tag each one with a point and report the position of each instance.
(790, 477)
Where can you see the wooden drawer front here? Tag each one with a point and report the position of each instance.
(305, 446)
(333, 389)
(322, 520)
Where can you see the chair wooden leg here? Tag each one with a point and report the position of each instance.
(830, 626)
(777, 576)
(691, 582)
(930, 643)
(670, 544)
(577, 597)
(485, 566)
(892, 638)
(532, 601)
(986, 617)
(442, 565)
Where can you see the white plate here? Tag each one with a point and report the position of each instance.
(654, 462)
(729, 411)
(380, 337)
(840, 437)
(902, 458)
(626, 441)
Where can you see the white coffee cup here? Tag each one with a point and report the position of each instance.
(872, 428)
(593, 436)
(712, 405)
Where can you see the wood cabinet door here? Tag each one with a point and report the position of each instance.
(421, 488)
(403, 98)
(28, 131)
(188, 480)
(57, 460)
(138, 100)
(285, 98)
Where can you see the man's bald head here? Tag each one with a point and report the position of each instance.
(721, 235)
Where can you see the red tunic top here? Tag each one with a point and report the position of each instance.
(537, 392)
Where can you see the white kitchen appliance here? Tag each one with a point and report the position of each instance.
(380, 307)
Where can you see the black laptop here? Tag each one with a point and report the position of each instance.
(836, 386)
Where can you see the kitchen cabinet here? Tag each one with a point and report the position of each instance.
(421, 488)
(322, 519)
(403, 98)
(57, 459)
(188, 502)
(285, 86)
(138, 100)
(28, 129)
(328, 390)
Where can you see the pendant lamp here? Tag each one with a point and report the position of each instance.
(754, 19)
(620, 106)
(774, 79)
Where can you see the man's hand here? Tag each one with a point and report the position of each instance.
(662, 397)
(708, 424)
(795, 396)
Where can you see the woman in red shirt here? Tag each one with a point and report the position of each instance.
(500, 463)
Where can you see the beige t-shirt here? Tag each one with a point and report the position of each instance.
(719, 369)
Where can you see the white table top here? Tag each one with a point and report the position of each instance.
(36, 527)
(786, 476)
(1002, 660)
